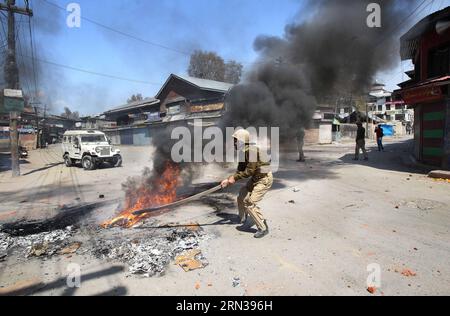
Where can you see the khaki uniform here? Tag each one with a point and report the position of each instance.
(261, 180)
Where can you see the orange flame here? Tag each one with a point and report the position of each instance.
(160, 191)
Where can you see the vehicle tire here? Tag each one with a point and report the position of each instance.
(117, 161)
(68, 161)
(88, 163)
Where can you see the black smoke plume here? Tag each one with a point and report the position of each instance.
(329, 52)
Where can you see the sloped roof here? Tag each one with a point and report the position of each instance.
(409, 42)
(203, 84)
(134, 105)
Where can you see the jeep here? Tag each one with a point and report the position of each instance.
(90, 148)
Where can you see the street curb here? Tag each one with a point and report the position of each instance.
(413, 161)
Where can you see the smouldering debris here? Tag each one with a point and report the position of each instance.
(149, 255)
(42, 244)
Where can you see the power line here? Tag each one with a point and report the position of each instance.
(25, 78)
(91, 72)
(397, 27)
(139, 39)
(33, 56)
(121, 32)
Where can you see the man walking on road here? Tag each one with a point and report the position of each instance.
(360, 142)
(380, 134)
(260, 182)
(300, 143)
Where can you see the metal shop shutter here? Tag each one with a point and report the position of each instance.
(433, 125)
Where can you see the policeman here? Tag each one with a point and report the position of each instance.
(261, 180)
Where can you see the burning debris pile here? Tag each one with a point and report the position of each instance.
(148, 190)
(41, 244)
(149, 256)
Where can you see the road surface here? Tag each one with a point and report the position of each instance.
(330, 219)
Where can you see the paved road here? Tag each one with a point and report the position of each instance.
(341, 217)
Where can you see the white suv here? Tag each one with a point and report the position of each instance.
(91, 148)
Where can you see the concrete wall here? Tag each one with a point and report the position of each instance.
(29, 141)
(325, 134)
(348, 131)
(312, 136)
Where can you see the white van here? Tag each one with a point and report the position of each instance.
(91, 148)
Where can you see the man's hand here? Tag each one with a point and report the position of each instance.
(224, 183)
(227, 182)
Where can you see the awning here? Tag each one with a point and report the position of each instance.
(427, 91)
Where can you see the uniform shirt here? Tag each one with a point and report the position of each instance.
(256, 168)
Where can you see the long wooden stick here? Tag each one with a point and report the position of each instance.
(183, 201)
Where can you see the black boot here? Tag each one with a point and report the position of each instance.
(261, 233)
(247, 225)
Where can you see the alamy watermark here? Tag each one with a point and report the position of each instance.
(374, 18)
(374, 278)
(73, 19)
(74, 275)
(209, 145)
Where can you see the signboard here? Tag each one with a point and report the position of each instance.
(207, 107)
(10, 93)
(12, 101)
(420, 95)
(394, 112)
(4, 132)
(153, 116)
(174, 109)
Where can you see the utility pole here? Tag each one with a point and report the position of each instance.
(12, 76)
(36, 113)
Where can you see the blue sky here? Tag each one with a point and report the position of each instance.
(228, 27)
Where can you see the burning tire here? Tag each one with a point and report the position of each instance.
(117, 161)
(67, 161)
(88, 163)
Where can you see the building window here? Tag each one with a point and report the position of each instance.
(438, 62)
(400, 117)
(380, 108)
(388, 107)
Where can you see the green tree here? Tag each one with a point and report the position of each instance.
(135, 97)
(70, 115)
(233, 72)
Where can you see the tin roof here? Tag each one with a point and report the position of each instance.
(203, 84)
(134, 105)
(409, 42)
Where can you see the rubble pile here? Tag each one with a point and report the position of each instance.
(150, 255)
(42, 244)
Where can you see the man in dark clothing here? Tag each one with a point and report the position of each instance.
(360, 142)
(380, 135)
(300, 143)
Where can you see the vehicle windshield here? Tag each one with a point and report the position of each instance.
(93, 138)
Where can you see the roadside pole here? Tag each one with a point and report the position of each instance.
(12, 77)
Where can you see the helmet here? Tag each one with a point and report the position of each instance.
(242, 135)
